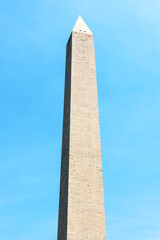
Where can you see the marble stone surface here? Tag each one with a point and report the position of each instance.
(81, 205)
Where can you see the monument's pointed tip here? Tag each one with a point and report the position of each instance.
(79, 18)
(81, 26)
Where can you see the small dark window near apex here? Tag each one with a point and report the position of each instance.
(80, 30)
(84, 31)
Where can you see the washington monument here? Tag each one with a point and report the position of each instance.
(81, 204)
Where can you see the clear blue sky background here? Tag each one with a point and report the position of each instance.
(33, 36)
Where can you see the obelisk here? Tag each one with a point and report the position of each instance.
(81, 204)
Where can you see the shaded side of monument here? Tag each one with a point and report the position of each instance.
(81, 204)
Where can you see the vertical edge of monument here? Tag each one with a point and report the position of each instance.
(63, 201)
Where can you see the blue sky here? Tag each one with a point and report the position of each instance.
(33, 36)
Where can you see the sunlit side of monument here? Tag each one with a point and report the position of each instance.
(81, 204)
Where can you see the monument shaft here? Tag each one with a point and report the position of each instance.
(81, 206)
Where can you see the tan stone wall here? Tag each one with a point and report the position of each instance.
(86, 218)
